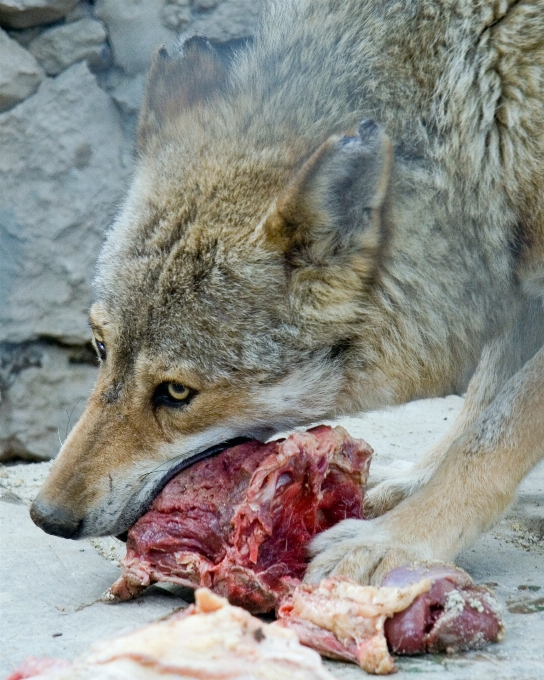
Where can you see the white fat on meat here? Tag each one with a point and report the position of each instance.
(343, 619)
(211, 640)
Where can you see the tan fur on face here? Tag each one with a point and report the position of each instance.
(123, 446)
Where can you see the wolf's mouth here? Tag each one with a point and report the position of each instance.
(183, 465)
(196, 458)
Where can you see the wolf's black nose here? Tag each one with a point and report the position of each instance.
(55, 520)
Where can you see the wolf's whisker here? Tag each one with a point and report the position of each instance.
(70, 418)
(166, 465)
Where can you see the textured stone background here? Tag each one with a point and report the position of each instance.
(71, 81)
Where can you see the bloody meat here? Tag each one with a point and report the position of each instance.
(344, 620)
(425, 607)
(453, 615)
(239, 523)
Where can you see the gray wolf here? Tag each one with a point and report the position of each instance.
(349, 214)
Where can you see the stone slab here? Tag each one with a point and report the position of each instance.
(62, 175)
(26, 13)
(61, 46)
(135, 31)
(52, 586)
(231, 20)
(44, 388)
(20, 73)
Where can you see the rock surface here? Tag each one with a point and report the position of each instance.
(62, 173)
(32, 424)
(60, 182)
(55, 608)
(25, 13)
(59, 47)
(20, 73)
(135, 30)
(232, 19)
(127, 92)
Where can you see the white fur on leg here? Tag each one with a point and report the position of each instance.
(391, 490)
(384, 473)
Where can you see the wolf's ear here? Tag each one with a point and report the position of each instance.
(174, 84)
(331, 210)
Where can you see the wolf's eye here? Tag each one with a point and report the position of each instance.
(178, 392)
(101, 349)
(172, 394)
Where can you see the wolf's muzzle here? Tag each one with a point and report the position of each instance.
(58, 521)
(55, 520)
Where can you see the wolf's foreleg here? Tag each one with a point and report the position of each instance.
(473, 484)
(500, 360)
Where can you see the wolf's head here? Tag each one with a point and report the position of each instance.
(231, 293)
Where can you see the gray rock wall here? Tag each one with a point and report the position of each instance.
(71, 81)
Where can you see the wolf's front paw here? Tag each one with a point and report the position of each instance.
(362, 550)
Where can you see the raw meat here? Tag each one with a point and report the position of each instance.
(344, 620)
(427, 607)
(239, 523)
(453, 615)
(208, 641)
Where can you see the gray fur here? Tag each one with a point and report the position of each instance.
(242, 266)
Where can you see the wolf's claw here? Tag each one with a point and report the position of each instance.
(362, 550)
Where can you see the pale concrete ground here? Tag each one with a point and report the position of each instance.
(50, 593)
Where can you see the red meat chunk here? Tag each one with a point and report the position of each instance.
(239, 523)
(454, 615)
(428, 607)
(344, 620)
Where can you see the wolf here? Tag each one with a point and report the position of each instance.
(347, 215)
